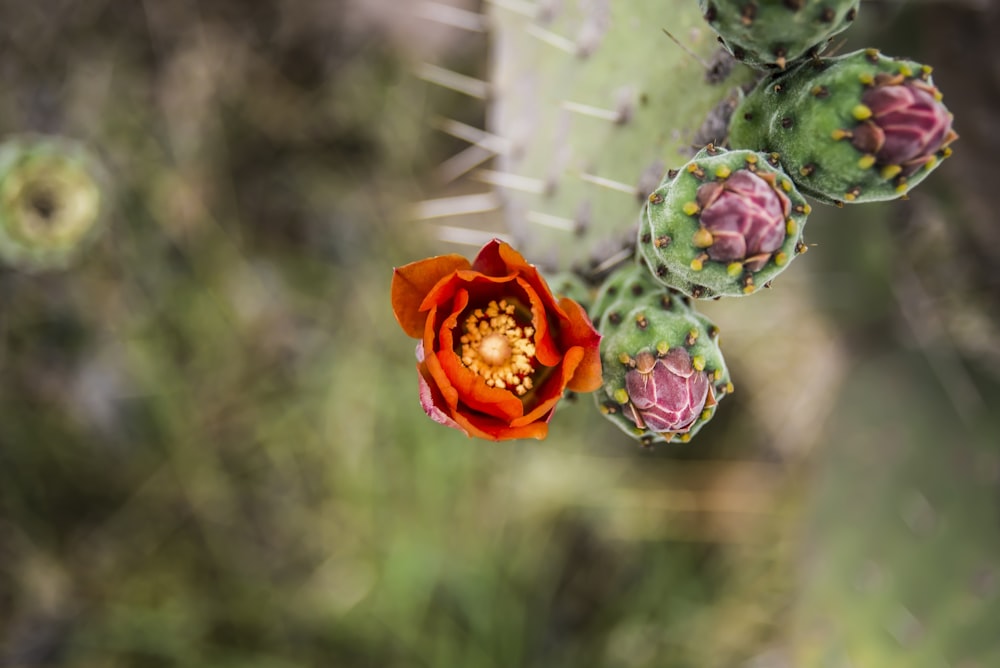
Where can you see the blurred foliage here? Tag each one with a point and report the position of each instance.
(211, 452)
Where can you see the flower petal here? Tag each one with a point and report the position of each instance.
(431, 399)
(546, 351)
(412, 283)
(579, 331)
(496, 430)
(552, 389)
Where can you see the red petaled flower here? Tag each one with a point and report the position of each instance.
(908, 124)
(496, 349)
(746, 216)
(667, 394)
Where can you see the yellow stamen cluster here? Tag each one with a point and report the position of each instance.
(495, 347)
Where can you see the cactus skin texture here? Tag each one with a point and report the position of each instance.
(770, 33)
(573, 179)
(862, 127)
(724, 224)
(663, 370)
(52, 199)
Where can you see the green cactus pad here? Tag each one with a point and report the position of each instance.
(669, 228)
(52, 201)
(806, 116)
(641, 315)
(595, 103)
(770, 33)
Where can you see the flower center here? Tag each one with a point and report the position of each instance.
(497, 348)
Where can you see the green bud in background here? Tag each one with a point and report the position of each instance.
(53, 200)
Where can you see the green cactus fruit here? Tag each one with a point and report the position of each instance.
(771, 33)
(52, 200)
(663, 370)
(858, 128)
(724, 224)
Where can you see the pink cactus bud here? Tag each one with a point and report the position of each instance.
(746, 215)
(666, 394)
(907, 126)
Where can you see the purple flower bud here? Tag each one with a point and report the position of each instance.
(746, 216)
(907, 126)
(666, 394)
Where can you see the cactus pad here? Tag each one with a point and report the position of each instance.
(858, 128)
(663, 370)
(770, 33)
(724, 224)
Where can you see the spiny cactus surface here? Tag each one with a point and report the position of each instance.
(770, 33)
(52, 200)
(726, 223)
(596, 102)
(663, 370)
(858, 128)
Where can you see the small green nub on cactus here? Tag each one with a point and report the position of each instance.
(858, 128)
(725, 224)
(769, 34)
(52, 193)
(663, 371)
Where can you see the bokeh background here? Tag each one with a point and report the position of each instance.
(211, 452)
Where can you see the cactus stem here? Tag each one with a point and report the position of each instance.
(610, 184)
(661, 242)
(641, 322)
(866, 78)
(615, 317)
(656, 198)
(666, 301)
(691, 337)
(872, 55)
(662, 348)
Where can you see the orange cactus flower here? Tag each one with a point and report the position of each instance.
(496, 348)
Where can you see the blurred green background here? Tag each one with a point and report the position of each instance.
(211, 450)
